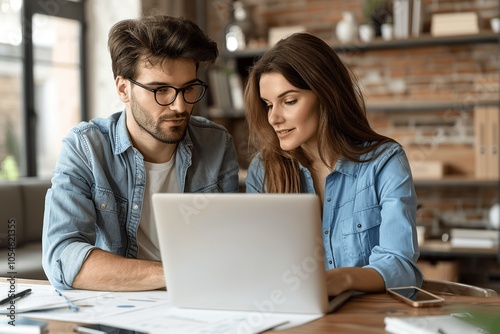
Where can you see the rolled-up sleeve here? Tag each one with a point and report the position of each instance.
(69, 218)
(395, 258)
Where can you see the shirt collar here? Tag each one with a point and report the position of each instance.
(122, 138)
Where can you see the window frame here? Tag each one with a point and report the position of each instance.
(73, 10)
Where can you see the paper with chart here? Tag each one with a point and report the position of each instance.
(151, 311)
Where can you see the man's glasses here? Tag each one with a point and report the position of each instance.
(166, 95)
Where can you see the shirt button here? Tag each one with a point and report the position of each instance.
(139, 176)
(326, 231)
(330, 262)
(135, 207)
(359, 225)
(328, 199)
(102, 206)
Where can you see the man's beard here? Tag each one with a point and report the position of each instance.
(152, 126)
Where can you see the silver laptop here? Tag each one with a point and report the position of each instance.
(250, 252)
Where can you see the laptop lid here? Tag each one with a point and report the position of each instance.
(251, 252)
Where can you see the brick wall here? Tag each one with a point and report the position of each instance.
(443, 72)
(461, 74)
(320, 16)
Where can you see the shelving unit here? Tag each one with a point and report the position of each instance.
(379, 44)
(241, 60)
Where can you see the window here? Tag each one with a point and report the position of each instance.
(42, 68)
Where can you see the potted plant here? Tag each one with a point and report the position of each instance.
(375, 13)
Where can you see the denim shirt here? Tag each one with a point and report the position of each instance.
(98, 186)
(369, 212)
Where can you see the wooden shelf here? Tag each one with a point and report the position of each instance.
(457, 182)
(379, 44)
(423, 41)
(409, 105)
(443, 249)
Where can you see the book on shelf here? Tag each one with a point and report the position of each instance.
(401, 18)
(449, 24)
(473, 238)
(416, 18)
(407, 18)
(226, 90)
(487, 141)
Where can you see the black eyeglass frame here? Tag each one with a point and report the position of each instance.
(177, 90)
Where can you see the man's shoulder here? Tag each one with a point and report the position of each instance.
(200, 123)
(101, 131)
(97, 126)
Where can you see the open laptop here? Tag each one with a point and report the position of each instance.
(248, 252)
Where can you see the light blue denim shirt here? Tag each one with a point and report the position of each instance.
(369, 214)
(98, 187)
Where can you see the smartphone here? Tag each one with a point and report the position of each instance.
(415, 296)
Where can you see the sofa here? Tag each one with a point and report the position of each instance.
(21, 215)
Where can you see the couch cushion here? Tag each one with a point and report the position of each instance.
(27, 264)
(33, 194)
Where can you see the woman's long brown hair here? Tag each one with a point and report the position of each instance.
(307, 62)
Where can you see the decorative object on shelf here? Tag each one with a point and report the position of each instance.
(387, 29)
(366, 33)
(347, 28)
(494, 216)
(495, 23)
(239, 29)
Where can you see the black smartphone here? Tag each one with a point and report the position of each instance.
(415, 296)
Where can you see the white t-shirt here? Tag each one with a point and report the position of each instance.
(160, 178)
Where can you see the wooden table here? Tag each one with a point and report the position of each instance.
(365, 313)
(361, 314)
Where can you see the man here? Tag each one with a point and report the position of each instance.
(99, 231)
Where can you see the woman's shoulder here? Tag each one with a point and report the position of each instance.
(383, 151)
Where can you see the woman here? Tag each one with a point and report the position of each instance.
(307, 119)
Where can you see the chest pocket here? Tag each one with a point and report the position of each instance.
(360, 233)
(111, 213)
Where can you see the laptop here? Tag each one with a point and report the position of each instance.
(246, 252)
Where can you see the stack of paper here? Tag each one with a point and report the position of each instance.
(454, 24)
(429, 325)
(473, 238)
(21, 325)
